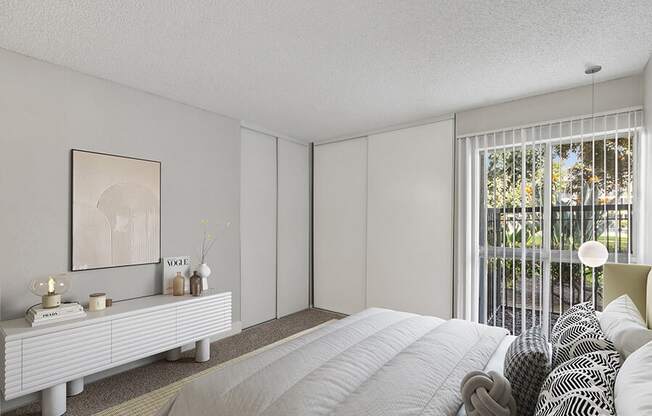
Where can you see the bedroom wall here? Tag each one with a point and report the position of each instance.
(647, 167)
(609, 95)
(45, 110)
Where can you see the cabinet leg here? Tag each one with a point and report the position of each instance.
(53, 400)
(174, 354)
(75, 386)
(203, 350)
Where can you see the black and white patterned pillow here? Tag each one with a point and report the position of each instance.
(577, 332)
(582, 313)
(581, 386)
(527, 364)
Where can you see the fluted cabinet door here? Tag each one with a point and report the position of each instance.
(190, 329)
(49, 358)
(11, 371)
(142, 335)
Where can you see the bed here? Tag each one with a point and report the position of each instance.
(376, 362)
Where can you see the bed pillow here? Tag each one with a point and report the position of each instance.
(623, 324)
(582, 313)
(581, 386)
(634, 384)
(527, 364)
(577, 332)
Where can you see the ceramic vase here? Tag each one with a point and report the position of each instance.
(204, 271)
(195, 284)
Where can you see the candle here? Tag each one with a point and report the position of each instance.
(97, 302)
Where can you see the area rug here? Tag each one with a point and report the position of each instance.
(148, 404)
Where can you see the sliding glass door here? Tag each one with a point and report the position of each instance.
(538, 193)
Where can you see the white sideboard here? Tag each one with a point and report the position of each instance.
(45, 358)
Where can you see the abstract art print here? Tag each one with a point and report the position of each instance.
(116, 211)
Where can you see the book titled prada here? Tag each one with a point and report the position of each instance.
(38, 316)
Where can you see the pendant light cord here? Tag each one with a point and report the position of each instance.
(592, 96)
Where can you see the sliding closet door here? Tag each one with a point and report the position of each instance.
(293, 227)
(258, 227)
(409, 220)
(340, 188)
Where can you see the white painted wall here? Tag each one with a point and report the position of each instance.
(410, 220)
(45, 110)
(647, 163)
(610, 95)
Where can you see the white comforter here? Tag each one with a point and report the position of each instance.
(377, 362)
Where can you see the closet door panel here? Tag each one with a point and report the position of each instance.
(293, 227)
(258, 227)
(409, 220)
(340, 188)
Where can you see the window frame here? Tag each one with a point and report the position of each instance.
(545, 253)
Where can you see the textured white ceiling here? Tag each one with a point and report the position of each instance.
(315, 69)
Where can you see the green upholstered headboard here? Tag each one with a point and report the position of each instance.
(634, 280)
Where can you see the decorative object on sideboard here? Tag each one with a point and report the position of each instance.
(172, 266)
(37, 315)
(195, 284)
(204, 271)
(178, 286)
(50, 289)
(593, 254)
(96, 302)
(116, 207)
(206, 245)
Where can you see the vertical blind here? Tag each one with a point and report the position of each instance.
(527, 198)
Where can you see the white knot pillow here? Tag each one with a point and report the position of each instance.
(487, 395)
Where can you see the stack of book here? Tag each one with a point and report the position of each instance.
(40, 316)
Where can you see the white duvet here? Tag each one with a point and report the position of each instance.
(377, 362)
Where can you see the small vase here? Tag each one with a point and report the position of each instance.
(195, 284)
(178, 285)
(204, 271)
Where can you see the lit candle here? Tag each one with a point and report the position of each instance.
(51, 285)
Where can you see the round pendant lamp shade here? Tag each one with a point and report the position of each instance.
(593, 254)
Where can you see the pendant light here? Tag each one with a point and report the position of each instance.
(593, 253)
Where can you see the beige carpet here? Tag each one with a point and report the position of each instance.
(149, 404)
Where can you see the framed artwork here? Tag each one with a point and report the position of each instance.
(116, 211)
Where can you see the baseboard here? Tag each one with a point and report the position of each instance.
(6, 406)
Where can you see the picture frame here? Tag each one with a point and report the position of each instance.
(115, 211)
